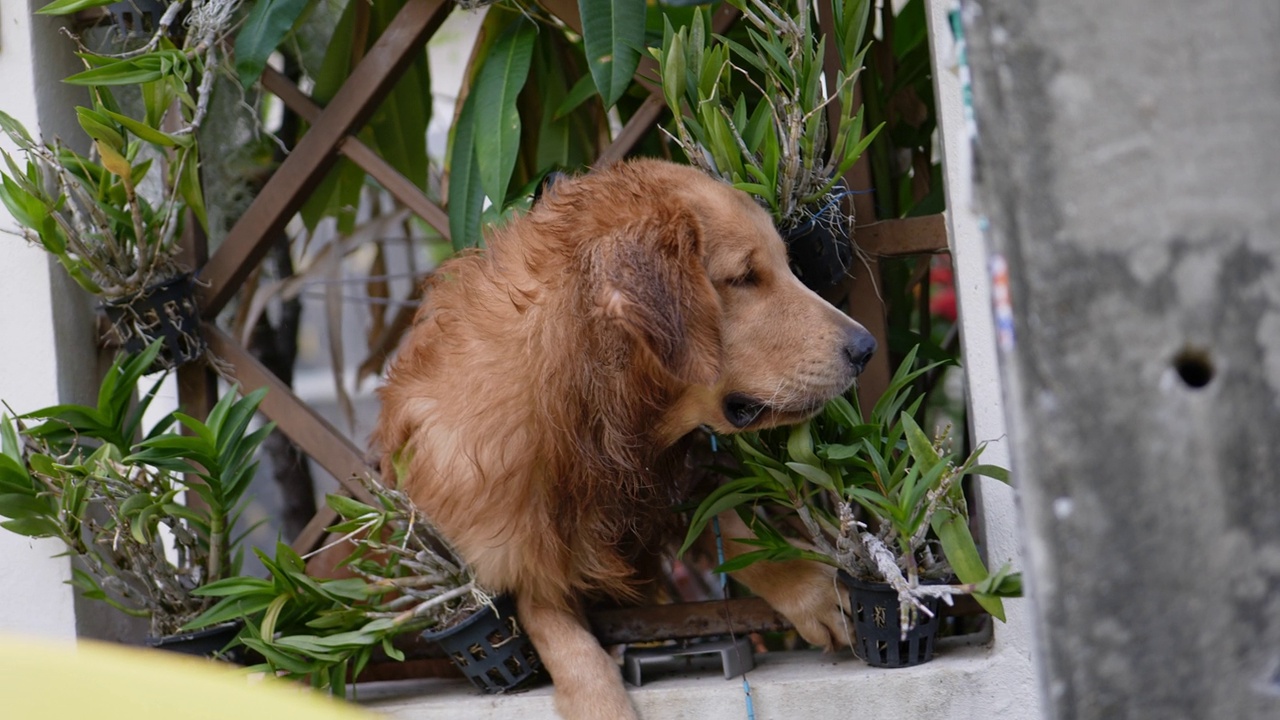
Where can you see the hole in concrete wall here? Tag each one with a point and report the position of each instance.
(1194, 367)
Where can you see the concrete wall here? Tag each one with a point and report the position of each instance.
(1130, 165)
(45, 320)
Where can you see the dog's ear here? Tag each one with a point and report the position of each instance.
(652, 282)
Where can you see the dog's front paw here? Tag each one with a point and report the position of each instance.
(808, 594)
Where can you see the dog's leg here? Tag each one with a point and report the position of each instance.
(588, 682)
(804, 591)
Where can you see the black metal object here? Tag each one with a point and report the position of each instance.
(139, 18)
(209, 642)
(876, 620)
(166, 311)
(491, 648)
(821, 250)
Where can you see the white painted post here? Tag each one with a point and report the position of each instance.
(969, 254)
(45, 320)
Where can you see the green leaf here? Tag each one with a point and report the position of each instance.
(269, 618)
(9, 445)
(263, 29)
(744, 560)
(234, 586)
(134, 71)
(97, 126)
(68, 7)
(22, 505)
(391, 650)
(674, 68)
(189, 186)
(32, 527)
(142, 130)
(347, 507)
(612, 35)
(466, 193)
(962, 553)
(230, 608)
(583, 89)
(800, 443)
(497, 140)
(995, 472)
(813, 474)
(918, 443)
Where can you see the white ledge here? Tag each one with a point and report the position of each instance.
(962, 681)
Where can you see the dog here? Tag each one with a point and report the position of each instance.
(547, 393)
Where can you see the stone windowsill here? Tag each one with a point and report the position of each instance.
(962, 681)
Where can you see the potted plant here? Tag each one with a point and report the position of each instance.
(113, 218)
(753, 114)
(404, 580)
(92, 477)
(880, 501)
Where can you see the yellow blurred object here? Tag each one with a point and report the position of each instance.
(52, 680)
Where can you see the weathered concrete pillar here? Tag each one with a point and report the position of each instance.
(1129, 160)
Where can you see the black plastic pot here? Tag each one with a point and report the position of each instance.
(821, 250)
(876, 618)
(208, 642)
(490, 648)
(165, 311)
(140, 18)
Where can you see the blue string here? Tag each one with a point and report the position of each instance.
(724, 592)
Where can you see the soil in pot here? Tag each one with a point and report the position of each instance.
(166, 311)
(876, 621)
(491, 648)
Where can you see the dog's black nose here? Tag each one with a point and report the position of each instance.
(858, 349)
(741, 410)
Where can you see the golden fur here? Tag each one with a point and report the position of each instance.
(546, 390)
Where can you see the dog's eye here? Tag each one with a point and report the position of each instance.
(747, 278)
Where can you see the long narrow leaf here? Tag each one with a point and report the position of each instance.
(497, 140)
(613, 35)
(263, 29)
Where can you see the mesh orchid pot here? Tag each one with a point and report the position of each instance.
(491, 648)
(167, 312)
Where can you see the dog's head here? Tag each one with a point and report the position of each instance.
(702, 283)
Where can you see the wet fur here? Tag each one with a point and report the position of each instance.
(545, 395)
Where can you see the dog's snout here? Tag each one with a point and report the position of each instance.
(858, 348)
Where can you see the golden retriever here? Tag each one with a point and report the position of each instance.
(551, 382)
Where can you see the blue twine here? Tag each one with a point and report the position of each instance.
(724, 592)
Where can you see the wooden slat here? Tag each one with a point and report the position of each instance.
(305, 167)
(738, 616)
(686, 620)
(312, 433)
(909, 236)
(400, 187)
(637, 127)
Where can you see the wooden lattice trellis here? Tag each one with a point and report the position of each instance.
(332, 133)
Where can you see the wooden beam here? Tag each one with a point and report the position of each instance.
(924, 235)
(400, 187)
(315, 154)
(686, 620)
(313, 434)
